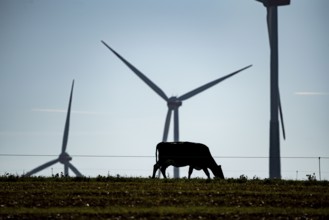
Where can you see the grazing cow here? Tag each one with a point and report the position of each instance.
(180, 154)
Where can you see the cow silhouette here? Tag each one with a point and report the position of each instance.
(195, 155)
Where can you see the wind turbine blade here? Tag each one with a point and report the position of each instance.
(208, 85)
(281, 118)
(67, 123)
(166, 128)
(43, 166)
(139, 74)
(268, 20)
(176, 125)
(75, 170)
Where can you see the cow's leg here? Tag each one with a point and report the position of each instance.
(206, 172)
(190, 170)
(155, 168)
(163, 170)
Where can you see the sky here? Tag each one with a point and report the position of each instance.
(117, 120)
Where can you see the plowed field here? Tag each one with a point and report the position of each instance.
(139, 198)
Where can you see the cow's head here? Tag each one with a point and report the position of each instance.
(219, 172)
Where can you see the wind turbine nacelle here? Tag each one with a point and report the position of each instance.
(174, 102)
(64, 158)
(270, 3)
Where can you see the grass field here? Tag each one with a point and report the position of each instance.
(142, 198)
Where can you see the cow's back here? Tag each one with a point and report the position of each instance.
(187, 152)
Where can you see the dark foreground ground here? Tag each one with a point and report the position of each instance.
(139, 198)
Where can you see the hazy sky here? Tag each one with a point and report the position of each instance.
(179, 45)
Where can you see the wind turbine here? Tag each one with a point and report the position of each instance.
(173, 102)
(272, 25)
(64, 157)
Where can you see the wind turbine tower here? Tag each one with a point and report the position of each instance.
(173, 102)
(272, 25)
